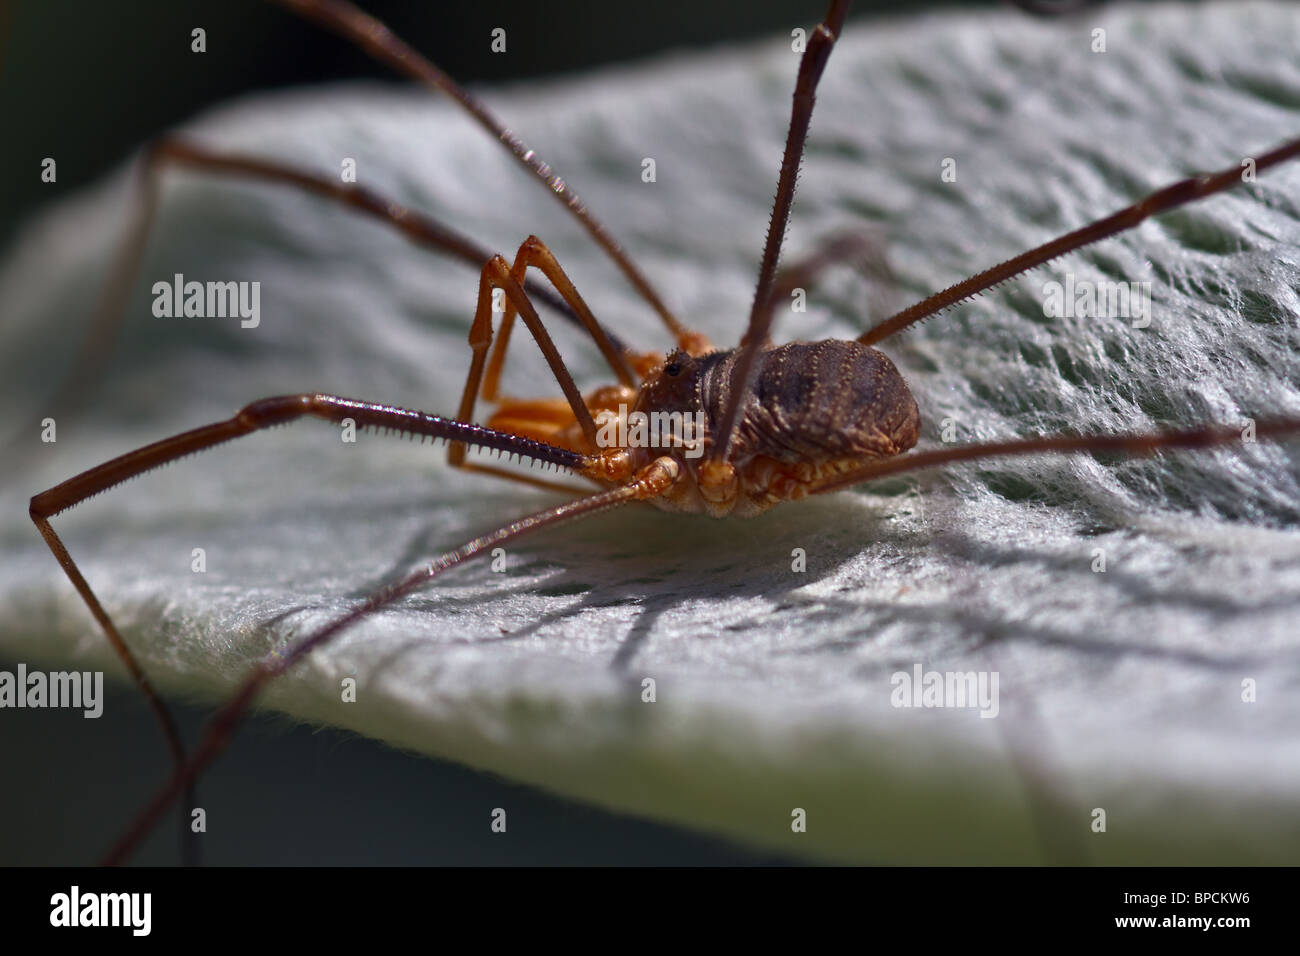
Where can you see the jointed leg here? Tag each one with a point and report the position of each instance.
(171, 733)
(533, 252)
(811, 66)
(538, 419)
(379, 42)
(280, 410)
(110, 308)
(1207, 436)
(258, 415)
(497, 275)
(650, 482)
(421, 228)
(1171, 197)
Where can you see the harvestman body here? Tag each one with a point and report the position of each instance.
(780, 422)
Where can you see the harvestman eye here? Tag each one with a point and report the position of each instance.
(781, 422)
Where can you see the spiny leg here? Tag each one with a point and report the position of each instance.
(379, 42)
(1162, 200)
(254, 417)
(478, 381)
(421, 228)
(650, 482)
(109, 311)
(533, 253)
(1207, 436)
(497, 275)
(811, 65)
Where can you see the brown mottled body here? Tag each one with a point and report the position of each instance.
(817, 410)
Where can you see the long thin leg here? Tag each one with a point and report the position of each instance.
(1207, 436)
(1163, 200)
(484, 382)
(171, 733)
(650, 482)
(480, 382)
(106, 320)
(497, 275)
(811, 66)
(419, 227)
(265, 413)
(379, 42)
(258, 415)
(533, 252)
(280, 410)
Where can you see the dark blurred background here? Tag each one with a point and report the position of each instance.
(73, 84)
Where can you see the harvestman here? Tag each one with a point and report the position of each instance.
(783, 422)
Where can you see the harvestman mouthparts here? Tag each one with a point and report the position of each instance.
(783, 422)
